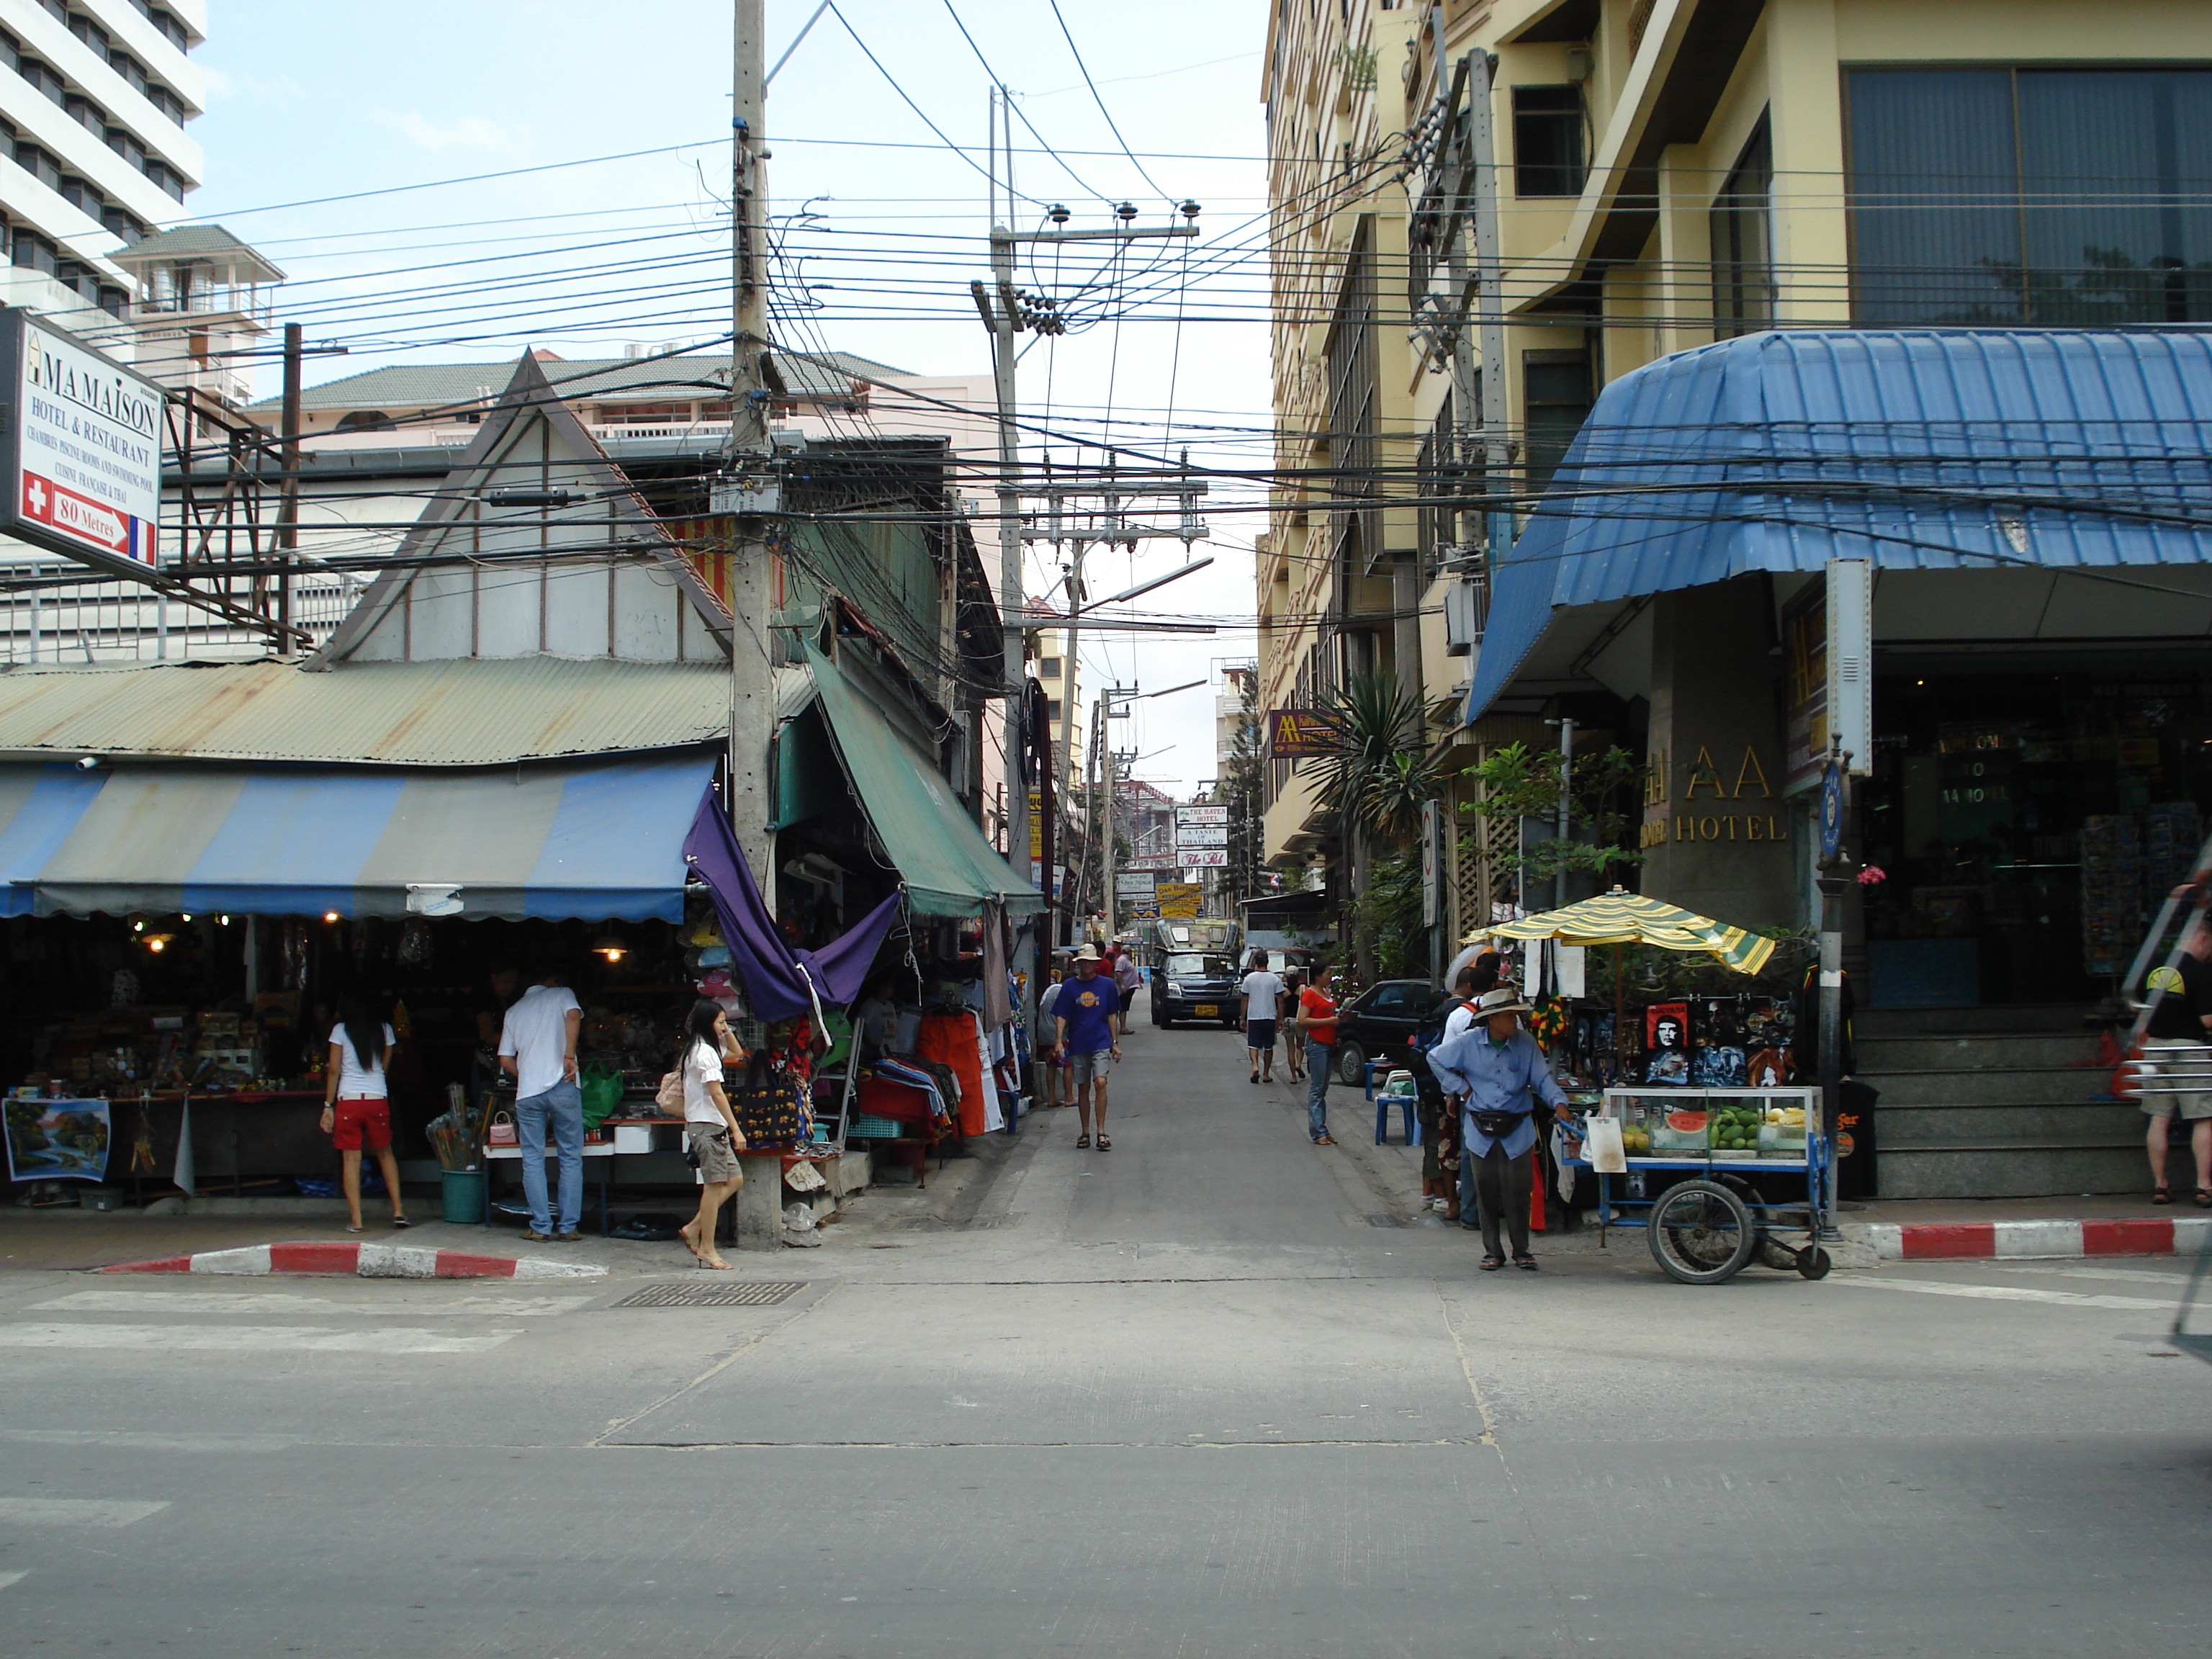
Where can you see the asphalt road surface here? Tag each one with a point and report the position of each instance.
(1183, 1398)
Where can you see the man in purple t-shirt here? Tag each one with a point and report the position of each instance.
(1083, 1020)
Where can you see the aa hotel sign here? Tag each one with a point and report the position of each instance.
(1712, 805)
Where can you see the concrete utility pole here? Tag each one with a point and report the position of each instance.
(287, 504)
(746, 491)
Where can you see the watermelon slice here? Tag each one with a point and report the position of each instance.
(1687, 1123)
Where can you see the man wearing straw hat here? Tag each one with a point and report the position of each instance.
(1499, 1073)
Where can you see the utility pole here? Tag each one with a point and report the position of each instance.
(288, 502)
(1566, 829)
(746, 491)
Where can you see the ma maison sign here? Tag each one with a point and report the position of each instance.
(82, 449)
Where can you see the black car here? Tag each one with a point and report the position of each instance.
(1375, 1024)
(1196, 985)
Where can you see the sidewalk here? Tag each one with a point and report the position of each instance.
(2087, 1224)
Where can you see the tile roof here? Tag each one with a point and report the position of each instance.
(404, 387)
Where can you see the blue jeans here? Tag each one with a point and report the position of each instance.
(1319, 1061)
(562, 1106)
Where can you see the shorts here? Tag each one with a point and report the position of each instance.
(1260, 1034)
(2187, 1107)
(359, 1124)
(1092, 1067)
(709, 1146)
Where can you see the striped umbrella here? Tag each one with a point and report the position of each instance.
(1622, 918)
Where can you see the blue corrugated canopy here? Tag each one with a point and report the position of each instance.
(1935, 450)
(598, 841)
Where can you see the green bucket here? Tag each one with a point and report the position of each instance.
(463, 1196)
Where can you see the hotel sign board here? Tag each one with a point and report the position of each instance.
(82, 449)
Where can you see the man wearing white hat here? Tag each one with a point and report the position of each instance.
(1082, 1024)
(1500, 1073)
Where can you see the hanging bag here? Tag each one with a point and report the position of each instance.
(669, 1096)
(770, 1107)
(499, 1131)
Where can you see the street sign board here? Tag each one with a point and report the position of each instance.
(1188, 835)
(1134, 883)
(1179, 898)
(1150, 861)
(1205, 857)
(1293, 731)
(1201, 815)
(82, 449)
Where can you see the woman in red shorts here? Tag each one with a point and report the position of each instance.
(356, 1106)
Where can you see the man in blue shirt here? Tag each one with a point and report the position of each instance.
(1083, 1023)
(1497, 1073)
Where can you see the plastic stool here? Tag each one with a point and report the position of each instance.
(1383, 1119)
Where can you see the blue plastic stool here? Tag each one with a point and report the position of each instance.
(1382, 1120)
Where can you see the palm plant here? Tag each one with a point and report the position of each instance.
(1379, 774)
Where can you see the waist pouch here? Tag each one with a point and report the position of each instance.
(1497, 1125)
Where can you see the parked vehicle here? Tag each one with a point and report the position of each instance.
(1376, 1023)
(1195, 985)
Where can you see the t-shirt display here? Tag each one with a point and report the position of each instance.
(1088, 1005)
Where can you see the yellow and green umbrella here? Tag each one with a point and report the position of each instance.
(1620, 918)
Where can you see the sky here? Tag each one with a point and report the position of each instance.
(349, 141)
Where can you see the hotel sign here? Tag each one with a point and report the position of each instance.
(82, 450)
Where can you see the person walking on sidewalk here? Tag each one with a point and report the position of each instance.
(1501, 1073)
(1262, 993)
(1049, 1061)
(1083, 1025)
(711, 1134)
(2181, 1018)
(357, 1105)
(1317, 1020)
(1128, 980)
(537, 1050)
(1294, 1039)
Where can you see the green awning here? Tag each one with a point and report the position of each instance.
(948, 868)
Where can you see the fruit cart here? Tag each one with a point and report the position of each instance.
(1704, 1229)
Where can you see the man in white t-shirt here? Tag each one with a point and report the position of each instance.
(537, 1050)
(1262, 991)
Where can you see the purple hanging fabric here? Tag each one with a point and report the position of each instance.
(775, 976)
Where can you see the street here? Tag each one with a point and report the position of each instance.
(1183, 1397)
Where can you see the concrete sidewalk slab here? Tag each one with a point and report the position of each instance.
(2046, 1239)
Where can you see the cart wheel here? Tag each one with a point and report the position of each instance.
(1813, 1262)
(1701, 1233)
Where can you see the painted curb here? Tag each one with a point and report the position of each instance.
(2037, 1240)
(365, 1260)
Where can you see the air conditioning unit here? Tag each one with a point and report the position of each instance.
(1464, 615)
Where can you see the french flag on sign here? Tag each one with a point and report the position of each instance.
(87, 520)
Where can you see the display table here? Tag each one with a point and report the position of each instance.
(602, 1150)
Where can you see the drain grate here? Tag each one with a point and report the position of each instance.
(684, 1293)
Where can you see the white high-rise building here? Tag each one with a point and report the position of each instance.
(94, 98)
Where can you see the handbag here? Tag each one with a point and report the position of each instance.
(669, 1096)
(499, 1130)
(770, 1107)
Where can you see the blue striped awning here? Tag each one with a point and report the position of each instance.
(594, 841)
(1960, 449)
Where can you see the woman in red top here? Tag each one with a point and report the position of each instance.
(1317, 1019)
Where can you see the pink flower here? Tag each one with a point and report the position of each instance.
(1873, 875)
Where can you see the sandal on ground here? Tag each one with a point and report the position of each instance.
(1255, 1077)
(1491, 1264)
(2203, 1199)
(1324, 1140)
(1528, 1263)
(715, 1261)
(399, 1221)
(1105, 1143)
(352, 1229)
(683, 1233)
(1083, 1143)
(2159, 1195)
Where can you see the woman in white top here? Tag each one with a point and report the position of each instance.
(710, 1127)
(357, 1105)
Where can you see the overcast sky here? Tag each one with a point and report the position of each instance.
(375, 102)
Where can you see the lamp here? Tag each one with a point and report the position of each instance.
(610, 946)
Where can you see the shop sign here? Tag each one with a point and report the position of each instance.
(1036, 823)
(1295, 731)
(1726, 819)
(1134, 883)
(1188, 835)
(83, 448)
(1203, 857)
(1180, 899)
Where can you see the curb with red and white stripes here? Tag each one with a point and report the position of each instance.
(366, 1260)
(1937, 1241)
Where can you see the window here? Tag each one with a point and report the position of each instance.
(2045, 197)
(40, 164)
(365, 420)
(165, 21)
(90, 32)
(1052, 709)
(1547, 141)
(1743, 244)
(33, 252)
(1048, 668)
(41, 77)
(121, 224)
(1555, 396)
(133, 71)
(87, 114)
(84, 198)
(121, 141)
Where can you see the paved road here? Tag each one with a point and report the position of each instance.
(1181, 1398)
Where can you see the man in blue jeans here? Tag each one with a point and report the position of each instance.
(537, 1050)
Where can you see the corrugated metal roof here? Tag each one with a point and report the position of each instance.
(1935, 450)
(404, 387)
(481, 712)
